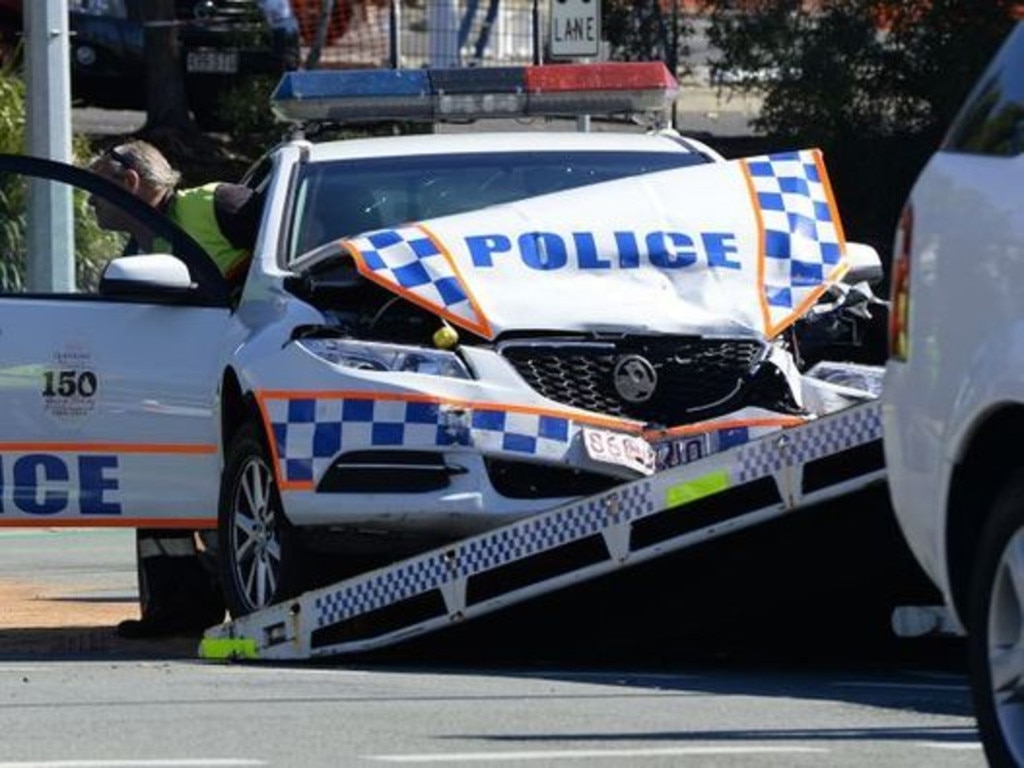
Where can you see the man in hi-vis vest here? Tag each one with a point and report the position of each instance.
(179, 591)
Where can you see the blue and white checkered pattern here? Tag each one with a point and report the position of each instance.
(758, 459)
(396, 583)
(810, 441)
(529, 433)
(482, 553)
(546, 531)
(802, 242)
(843, 430)
(310, 432)
(409, 259)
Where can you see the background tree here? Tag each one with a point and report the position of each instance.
(840, 68)
(646, 30)
(166, 100)
(873, 83)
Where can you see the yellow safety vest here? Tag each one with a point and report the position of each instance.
(193, 210)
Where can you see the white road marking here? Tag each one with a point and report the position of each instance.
(587, 754)
(908, 686)
(961, 745)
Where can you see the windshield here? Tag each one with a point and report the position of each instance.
(346, 197)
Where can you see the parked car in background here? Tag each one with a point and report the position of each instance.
(954, 387)
(221, 42)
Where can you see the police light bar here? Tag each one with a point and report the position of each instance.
(547, 90)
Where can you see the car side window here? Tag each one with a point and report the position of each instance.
(992, 119)
(50, 237)
(61, 226)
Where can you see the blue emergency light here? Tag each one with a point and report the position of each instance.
(546, 90)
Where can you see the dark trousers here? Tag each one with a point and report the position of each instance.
(178, 584)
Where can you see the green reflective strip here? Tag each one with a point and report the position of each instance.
(698, 488)
(227, 648)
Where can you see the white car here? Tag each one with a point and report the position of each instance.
(953, 396)
(438, 334)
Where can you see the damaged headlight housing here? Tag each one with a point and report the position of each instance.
(373, 356)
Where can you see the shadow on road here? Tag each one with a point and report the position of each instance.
(78, 643)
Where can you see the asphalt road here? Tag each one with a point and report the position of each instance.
(75, 696)
(87, 714)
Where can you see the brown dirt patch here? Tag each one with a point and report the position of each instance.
(45, 621)
(34, 605)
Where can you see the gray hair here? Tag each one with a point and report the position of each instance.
(143, 158)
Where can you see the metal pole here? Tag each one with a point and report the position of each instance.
(537, 57)
(394, 34)
(443, 30)
(320, 38)
(51, 239)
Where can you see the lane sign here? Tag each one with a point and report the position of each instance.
(575, 29)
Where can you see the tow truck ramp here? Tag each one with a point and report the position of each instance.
(669, 511)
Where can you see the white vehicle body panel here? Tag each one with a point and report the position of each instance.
(954, 389)
(681, 251)
(963, 364)
(108, 408)
(965, 325)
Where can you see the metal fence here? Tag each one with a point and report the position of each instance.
(417, 33)
(453, 33)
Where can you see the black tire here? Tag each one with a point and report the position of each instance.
(260, 554)
(996, 630)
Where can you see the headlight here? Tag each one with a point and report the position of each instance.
(113, 8)
(387, 357)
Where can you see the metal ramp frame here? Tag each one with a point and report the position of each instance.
(672, 510)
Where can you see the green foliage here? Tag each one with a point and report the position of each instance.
(12, 225)
(93, 246)
(245, 112)
(645, 30)
(862, 68)
(874, 83)
(12, 112)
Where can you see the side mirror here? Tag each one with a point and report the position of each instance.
(865, 264)
(156, 275)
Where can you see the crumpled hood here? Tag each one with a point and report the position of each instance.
(743, 247)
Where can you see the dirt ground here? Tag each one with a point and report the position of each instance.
(45, 621)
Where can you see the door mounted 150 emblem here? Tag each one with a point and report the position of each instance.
(635, 378)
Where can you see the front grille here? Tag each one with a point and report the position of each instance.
(697, 378)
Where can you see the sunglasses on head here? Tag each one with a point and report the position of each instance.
(125, 161)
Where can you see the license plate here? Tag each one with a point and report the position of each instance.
(681, 450)
(616, 448)
(217, 62)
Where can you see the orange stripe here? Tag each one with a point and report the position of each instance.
(701, 427)
(107, 448)
(841, 269)
(483, 327)
(268, 431)
(190, 523)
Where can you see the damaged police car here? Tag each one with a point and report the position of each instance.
(438, 334)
